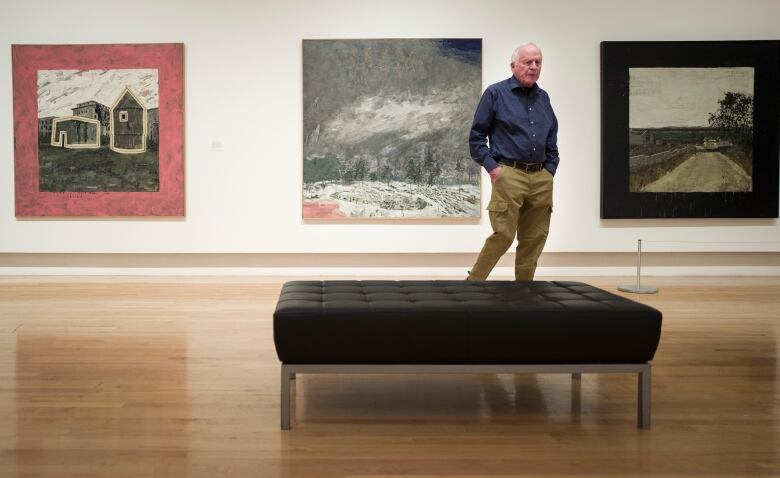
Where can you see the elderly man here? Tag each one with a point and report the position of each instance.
(517, 118)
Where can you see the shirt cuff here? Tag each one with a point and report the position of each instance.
(490, 164)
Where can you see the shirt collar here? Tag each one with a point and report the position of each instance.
(514, 84)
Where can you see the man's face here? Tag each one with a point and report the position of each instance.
(528, 67)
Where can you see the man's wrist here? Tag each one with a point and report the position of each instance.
(490, 164)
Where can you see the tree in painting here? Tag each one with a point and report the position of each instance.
(735, 118)
(691, 129)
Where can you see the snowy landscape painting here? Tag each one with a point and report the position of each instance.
(98, 130)
(385, 128)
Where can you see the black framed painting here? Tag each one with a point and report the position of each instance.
(690, 129)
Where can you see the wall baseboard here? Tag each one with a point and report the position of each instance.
(459, 273)
(439, 265)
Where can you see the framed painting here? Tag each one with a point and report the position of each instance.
(690, 129)
(99, 130)
(385, 128)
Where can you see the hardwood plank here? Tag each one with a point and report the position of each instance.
(178, 376)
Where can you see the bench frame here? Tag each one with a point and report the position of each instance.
(643, 370)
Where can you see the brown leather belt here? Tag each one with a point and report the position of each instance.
(527, 167)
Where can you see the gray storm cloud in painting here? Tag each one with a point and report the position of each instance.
(385, 128)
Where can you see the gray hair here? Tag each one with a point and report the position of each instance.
(516, 53)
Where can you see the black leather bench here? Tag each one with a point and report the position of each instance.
(462, 327)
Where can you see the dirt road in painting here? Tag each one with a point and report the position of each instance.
(703, 172)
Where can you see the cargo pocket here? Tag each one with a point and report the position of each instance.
(498, 216)
(497, 206)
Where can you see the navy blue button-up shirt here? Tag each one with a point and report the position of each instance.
(520, 123)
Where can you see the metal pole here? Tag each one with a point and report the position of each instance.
(638, 263)
(644, 393)
(285, 405)
(638, 289)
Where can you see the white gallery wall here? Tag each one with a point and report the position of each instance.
(243, 117)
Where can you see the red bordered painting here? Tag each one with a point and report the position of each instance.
(99, 130)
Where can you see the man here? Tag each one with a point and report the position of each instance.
(517, 118)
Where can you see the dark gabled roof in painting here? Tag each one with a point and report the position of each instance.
(128, 100)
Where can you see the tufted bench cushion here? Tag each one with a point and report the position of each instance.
(460, 322)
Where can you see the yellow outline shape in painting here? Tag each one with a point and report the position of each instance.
(112, 129)
(64, 144)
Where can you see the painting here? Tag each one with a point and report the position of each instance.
(385, 128)
(98, 130)
(690, 129)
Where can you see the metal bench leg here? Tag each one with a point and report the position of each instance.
(285, 397)
(576, 376)
(643, 408)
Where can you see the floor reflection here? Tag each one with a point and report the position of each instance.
(390, 398)
(398, 398)
(100, 402)
(533, 397)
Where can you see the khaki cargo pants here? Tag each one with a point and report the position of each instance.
(520, 204)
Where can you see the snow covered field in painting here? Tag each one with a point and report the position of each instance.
(376, 199)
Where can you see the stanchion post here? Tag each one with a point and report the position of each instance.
(638, 289)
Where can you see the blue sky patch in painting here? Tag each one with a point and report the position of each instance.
(467, 50)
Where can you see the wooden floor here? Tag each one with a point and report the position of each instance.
(136, 377)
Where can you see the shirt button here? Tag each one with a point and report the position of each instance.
(532, 122)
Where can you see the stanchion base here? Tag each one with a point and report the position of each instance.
(637, 290)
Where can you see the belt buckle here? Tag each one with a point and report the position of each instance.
(527, 167)
(523, 166)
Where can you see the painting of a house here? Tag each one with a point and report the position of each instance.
(128, 124)
(99, 120)
(91, 146)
